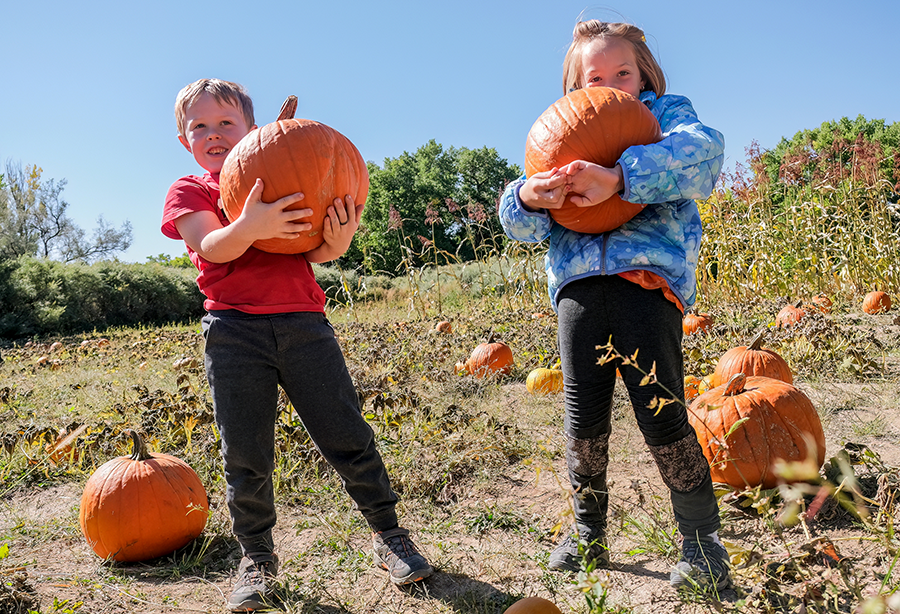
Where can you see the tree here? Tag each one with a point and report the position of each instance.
(33, 221)
(435, 199)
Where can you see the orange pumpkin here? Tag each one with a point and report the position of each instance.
(488, 358)
(696, 322)
(294, 155)
(142, 506)
(790, 315)
(533, 605)
(691, 387)
(876, 302)
(544, 381)
(752, 359)
(778, 415)
(822, 302)
(594, 124)
(444, 327)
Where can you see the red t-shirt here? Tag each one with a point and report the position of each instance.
(257, 281)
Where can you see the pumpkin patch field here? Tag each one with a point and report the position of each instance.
(477, 460)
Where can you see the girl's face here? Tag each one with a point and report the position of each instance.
(610, 62)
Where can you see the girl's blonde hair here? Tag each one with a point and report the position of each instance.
(588, 31)
(224, 92)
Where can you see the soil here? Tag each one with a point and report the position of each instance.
(829, 563)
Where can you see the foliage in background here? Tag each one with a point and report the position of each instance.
(33, 222)
(448, 191)
(817, 214)
(42, 296)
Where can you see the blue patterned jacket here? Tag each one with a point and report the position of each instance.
(664, 237)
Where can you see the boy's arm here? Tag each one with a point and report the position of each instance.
(340, 225)
(683, 165)
(205, 234)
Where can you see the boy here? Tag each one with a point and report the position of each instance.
(266, 326)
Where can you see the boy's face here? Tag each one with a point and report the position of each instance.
(211, 130)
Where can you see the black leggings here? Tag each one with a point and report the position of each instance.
(603, 309)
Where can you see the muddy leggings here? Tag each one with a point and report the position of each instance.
(607, 308)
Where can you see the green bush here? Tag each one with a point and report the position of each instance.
(41, 296)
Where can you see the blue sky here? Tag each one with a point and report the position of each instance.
(88, 88)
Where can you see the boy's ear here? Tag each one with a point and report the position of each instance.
(184, 142)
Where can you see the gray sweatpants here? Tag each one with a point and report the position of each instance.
(247, 357)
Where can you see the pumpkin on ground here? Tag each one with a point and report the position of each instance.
(696, 322)
(544, 381)
(751, 422)
(488, 358)
(876, 302)
(822, 302)
(691, 387)
(142, 506)
(790, 315)
(752, 359)
(533, 605)
(595, 124)
(444, 327)
(294, 155)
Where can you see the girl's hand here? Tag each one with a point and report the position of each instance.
(546, 190)
(591, 184)
(260, 220)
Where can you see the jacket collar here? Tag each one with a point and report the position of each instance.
(648, 97)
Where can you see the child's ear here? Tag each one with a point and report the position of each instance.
(184, 142)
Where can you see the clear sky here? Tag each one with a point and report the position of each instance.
(88, 88)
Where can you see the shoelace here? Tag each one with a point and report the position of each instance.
(400, 546)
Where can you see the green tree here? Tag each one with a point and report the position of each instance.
(430, 200)
(34, 221)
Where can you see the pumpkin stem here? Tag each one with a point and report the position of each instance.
(735, 385)
(139, 452)
(756, 342)
(288, 108)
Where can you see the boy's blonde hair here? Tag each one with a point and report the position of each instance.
(588, 31)
(224, 92)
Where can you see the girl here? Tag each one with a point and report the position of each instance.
(628, 287)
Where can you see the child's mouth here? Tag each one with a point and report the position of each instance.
(216, 151)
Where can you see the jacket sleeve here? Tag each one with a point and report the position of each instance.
(518, 223)
(683, 165)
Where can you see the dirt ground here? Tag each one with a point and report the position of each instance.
(830, 563)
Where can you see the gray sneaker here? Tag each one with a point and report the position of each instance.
(584, 546)
(704, 563)
(254, 587)
(397, 553)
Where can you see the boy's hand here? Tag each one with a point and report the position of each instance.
(590, 183)
(545, 190)
(341, 223)
(261, 220)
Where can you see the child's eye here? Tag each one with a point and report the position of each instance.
(197, 126)
(594, 79)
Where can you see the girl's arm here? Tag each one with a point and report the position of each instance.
(520, 223)
(683, 165)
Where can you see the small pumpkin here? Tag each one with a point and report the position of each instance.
(444, 327)
(751, 422)
(488, 358)
(544, 381)
(876, 302)
(822, 302)
(696, 322)
(790, 315)
(595, 124)
(294, 155)
(691, 387)
(142, 506)
(752, 359)
(533, 605)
